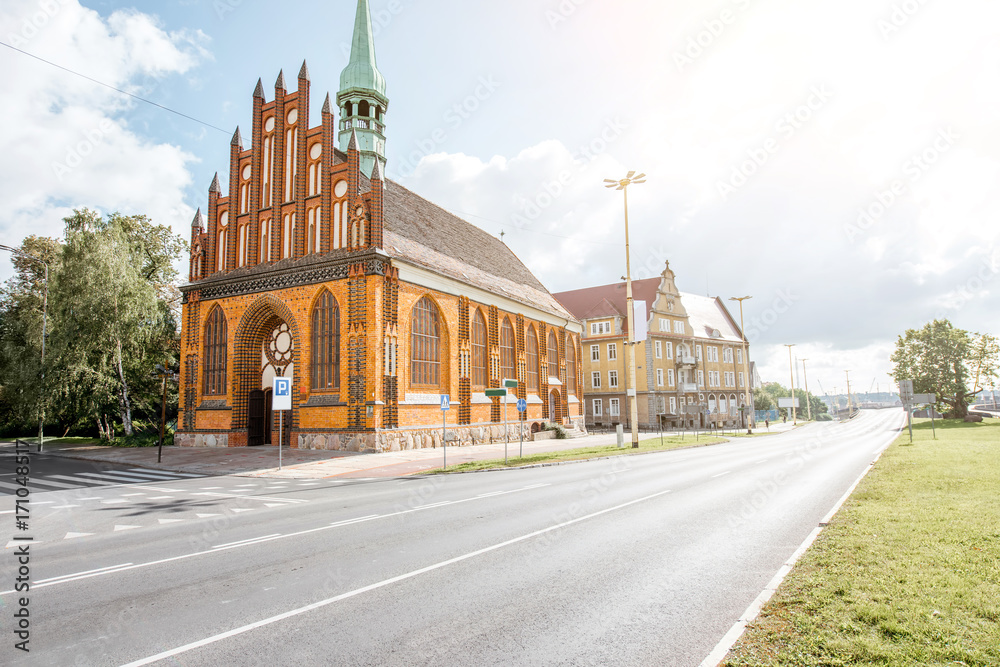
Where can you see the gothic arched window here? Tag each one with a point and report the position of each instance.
(531, 357)
(507, 350)
(326, 343)
(425, 345)
(216, 337)
(553, 356)
(570, 366)
(478, 350)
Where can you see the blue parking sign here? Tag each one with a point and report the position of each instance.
(281, 398)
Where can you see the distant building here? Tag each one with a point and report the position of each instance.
(312, 265)
(690, 371)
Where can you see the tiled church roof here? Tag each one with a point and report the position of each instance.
(421, 232)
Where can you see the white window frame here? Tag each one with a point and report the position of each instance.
(598, 407)
(595, 379)
(697, 352)
(742, 378)
(701, 378)
(612, 379)
(659, 377)
(664, 325)
(670, 377)
(595, 352)
(658, 349)
(614, 408)
(670, 350)
(679, 327)
(673, 405)
(739, 355)
(612, 351)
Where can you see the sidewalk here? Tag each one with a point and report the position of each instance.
(319, 464)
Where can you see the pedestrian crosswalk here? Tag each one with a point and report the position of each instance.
(106, 478)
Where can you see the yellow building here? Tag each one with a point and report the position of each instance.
(691, 368)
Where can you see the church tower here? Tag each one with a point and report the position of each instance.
(362, 98)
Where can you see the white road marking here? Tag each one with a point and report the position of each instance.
(115, 477)
(58, 485)
(380, 584)
(161, 497)
(307, 531)
(165, 473)
(154, 488)
(243, 509)
(117, 528)
(248, 541)
(78, 574)
(70, 536)
(274, 500)
(163, 521)
(205, 516)
(63, 507)
(88, 482)
(721, 474)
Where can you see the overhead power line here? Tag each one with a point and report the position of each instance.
(117, 90)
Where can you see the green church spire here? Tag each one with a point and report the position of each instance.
(362, 97)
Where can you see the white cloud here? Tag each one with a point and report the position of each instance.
(65, 140)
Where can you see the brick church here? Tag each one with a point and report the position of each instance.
(312, 265)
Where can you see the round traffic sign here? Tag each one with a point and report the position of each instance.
(522, 405)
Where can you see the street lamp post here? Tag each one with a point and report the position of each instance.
(791, 377)
(748, 388)
(45, 309)
(805, 376)
(630, 388)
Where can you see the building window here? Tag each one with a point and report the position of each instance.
(478, 350)
(670, 350)
(425, 345)
(531, 357)
(598, 407)
(216, 338)
(612, 351)
(670, 377)
(741, 378)
(727, 355)
(326, 343)
(613, 379)
(600, 328)
(659, 377)
(713, 353)
(570, 366)
(739, 356)
(613, 407)
(553, 356)
(678, 326)
(673, 405)
(697, 352)
(507, 350)
(658, 349)
(664, 325)
(701, 378)
(595, 352)
(595, 379)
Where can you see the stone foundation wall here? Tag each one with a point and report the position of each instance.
(201, 439)
(401, 440)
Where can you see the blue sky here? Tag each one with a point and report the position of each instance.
(837, 161)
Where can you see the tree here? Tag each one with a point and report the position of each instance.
(113, 323)
(943, 359)
(762, 399)
(22, 394)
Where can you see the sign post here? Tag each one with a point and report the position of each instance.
(931, 401)
(522, 407)
(507, 384)
(445, 406)
(490, 393)
(281, 392)
(906, 396)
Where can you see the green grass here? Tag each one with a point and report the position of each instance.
(907, 574)
(581, 454)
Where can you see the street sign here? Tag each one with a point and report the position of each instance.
(906, 391)
(281, 396)
(925, 398)
(496, 392)
(445, 402)
(509, 384)
(522, 405)
(786, 402)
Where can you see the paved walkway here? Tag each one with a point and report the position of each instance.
(316, 464)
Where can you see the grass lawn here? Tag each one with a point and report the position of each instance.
(907, 574)
(647, 445)
(63, 441)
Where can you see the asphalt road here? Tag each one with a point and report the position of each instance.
(644, 560)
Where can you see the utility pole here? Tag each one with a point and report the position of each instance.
(791, 380)
(849, 410)
(630, 388)
(805, 376)
(748, 387)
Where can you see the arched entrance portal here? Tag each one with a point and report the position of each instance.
(267, 348)
(555, 403)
